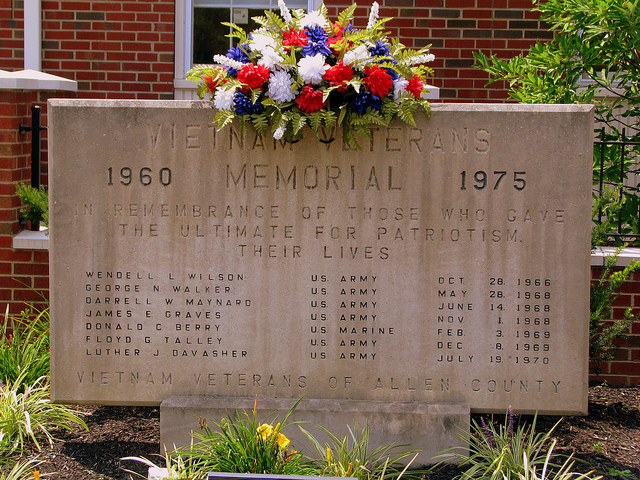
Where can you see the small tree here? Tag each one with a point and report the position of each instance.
(594, 40)
(594, 57)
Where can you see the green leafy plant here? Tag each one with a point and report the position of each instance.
(350, 456)
(36, 202)
(605, 211)
(242, 444)
(547, 471)
(603, 332)
(24, 348)
(502, 452)
(613, 472)
(598, 447)
(22, 470)
(29, 416)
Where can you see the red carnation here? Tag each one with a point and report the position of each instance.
(294, 38)
(253, 76)
(338, 75)
(415, 86)
(378, 81)
(310, 100)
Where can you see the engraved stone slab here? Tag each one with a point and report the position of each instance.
(444, 263)
(430, 428)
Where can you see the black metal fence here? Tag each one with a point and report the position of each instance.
(616, 173)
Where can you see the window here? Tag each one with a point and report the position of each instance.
(200, 35)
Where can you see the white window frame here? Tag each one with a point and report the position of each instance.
(184, 90)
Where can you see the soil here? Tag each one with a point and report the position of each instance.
(607, 440)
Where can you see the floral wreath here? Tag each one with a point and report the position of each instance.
(298, 69)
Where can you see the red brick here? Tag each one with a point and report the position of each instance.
(13, 283)
(41, 256)
(121, 77)
(27, 295)
(136, 7)
(30, 269)
(41, 283)
(626, 368)
(107, 6)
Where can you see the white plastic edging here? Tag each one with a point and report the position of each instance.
(625, 257)
(158, 473)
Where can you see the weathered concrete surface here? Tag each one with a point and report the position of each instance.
(444, 263)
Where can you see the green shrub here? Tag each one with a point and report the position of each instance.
(24, 348)
(592, 59)
(242, 444)
(351, 456)
(546, 470)
(36, 202)
(28, 416)
(502, 452)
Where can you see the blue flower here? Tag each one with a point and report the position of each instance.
(316, 34)
(364, 100)
(243, 106)
(239, 53)
(314, 48)
(232, 72)
(392, 72)
(379, 50)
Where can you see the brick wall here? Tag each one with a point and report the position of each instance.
(124, 49)
(115, 49)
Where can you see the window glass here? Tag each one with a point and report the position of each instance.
(209, 35)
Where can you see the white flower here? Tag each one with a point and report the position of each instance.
(399, 87)
(223, 99)
(261, 42)
(284, 11)
(279, 132)
(373, 16)
(228, 62)
(418, 59)
(313, 19)
(281, 87)
(270, 58)
(357, 54)
(312, 69)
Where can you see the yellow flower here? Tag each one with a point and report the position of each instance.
(328, 455)
(265, 430)
(36, 474)
(283, 441)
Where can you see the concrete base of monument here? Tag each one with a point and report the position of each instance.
(430, 428)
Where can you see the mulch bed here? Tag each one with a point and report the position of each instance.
(607, 440)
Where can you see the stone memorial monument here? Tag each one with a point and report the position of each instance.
(443, 269)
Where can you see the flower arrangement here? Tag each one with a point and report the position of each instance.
(300, 69)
